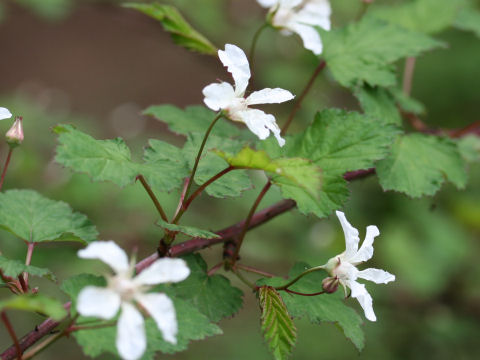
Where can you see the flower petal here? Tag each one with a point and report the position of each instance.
(376, 275)
(107, 251)
(98, 302)
(163, 270)
(351, 236)
(5, 113)
(360, 293)
(267, 3)
(218, 96)
(162, 310)
(310, 36)
(316, 13)
(269, 96)
(366, 250)
(261, 124)
(237, 64)
(131, 339)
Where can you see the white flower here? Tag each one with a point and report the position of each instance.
(224, 96)
(5, 113)
(124, 289)
(343, 266)
(301, 17)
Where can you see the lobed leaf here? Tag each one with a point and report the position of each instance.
(468, 19)
(35, 303)
(14, 268)
(34, 218)
(180, 30)
(277, 326)
(379, 104)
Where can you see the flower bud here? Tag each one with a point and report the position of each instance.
(15, 134)
(330, 284)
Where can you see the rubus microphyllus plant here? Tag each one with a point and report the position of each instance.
(174, 295)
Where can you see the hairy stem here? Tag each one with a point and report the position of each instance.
(304, 93)
(5, 167)
(254, 270)
(291, 282)
(244, 279)
(153, 197)
(11, 332)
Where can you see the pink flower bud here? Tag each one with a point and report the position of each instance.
(15, 134)
(330, 284)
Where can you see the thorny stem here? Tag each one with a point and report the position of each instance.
(11, 332)
(194, 170)
(300, 99)
(408, 75)
(5, 167)
(239, 241)
(153, 197)
(291, 282)
(253, 47)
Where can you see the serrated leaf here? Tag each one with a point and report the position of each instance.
(469, 147)
(426, 16)
(321, 308)
(364, 52)
(419, 164)
(230, 185)
(337, 142)
(290, 172)
(35, 303)
(14, 268)
(34, 218)
(181, 31)
(213, 295)
(187, 230)
(277, 326)
(407, 103)
(468, 19)
(110, 160)
(192, 325)
(378, 103)
(191, 119)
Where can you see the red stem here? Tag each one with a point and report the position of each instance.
(5, 167)
(11, 331)
(303, 294)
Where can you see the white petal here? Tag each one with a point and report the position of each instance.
(5, 113)
(107, 251)
(131, 339)
(366, 250)
(237, 64)
(267, 3)
(163, 270)
(218, 96)
(351, 236)
(361, 294)
(290, 3)
(316, 13)
(161, 309)
(269, 96)
(310, 36)
(376, 275)
(98, 302)
(261, 124)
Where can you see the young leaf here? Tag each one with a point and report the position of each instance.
(321, 308)
(364, 52)
(213, 295)
(181, 31)
(277, 326)
(419, 164)
(230, 185)
(35, 303)
(110, 160)
(33, 218)
(187, 230)
(14, 268)
(192, 119)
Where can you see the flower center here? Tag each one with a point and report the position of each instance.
(237, 104)
(124, 286)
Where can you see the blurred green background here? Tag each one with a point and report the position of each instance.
(97, 65)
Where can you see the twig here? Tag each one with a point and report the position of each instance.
(182, 196)
(153, 197)
(254, 270)
(408, 75)
(28, 260)
(303, 294)
(11, 331)
(215, 268)
(5, 167)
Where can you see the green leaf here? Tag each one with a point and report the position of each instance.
(364, 52)
(73, 285)
(34, 218)
(468, 19)
(35, 303)
(192, 325)
(469, 147)
(337, 142)
(181, 31)
(213, 295)
(288, 172)
(14, 268)
(230, 185)
(378, 103)
(406, 102)
(419, 164)
(192, 119)
(110, 160)
(277, 326)
(321, 308)
(187, 230)
(425, 16)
